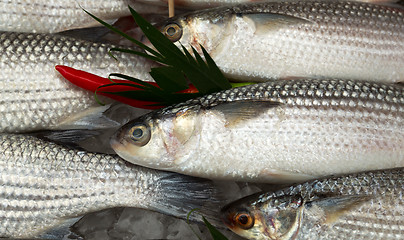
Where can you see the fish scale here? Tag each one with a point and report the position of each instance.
(284, 39)
(42, 16)
(278, 131)
(34, 96)
(43, 184)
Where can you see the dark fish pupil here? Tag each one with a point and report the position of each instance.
(243, 219)
(137, 133)
(171, 31)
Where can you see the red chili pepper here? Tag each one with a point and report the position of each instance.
(92, 82)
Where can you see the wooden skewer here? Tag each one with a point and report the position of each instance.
(170, 8)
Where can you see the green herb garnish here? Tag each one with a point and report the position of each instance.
(178, 70)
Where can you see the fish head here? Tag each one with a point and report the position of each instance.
(193, 30)
(156, 140)
(276, 218)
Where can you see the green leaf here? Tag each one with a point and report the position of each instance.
(169, 79)
(197, 71)
(241, 84)
(180, 68)
(213, 231)
(215, 71)
(143, 84)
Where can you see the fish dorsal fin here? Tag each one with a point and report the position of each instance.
(266, 22)
(337, 206)
(239, 111)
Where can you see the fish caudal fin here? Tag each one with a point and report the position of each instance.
(182, 194)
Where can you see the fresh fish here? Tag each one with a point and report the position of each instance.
(278, 131)
(367, 205)
(43, 185)
(287, 39)
(34, 96)
(202, 4)
(43, 16)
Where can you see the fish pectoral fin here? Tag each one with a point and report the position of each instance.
(239, 111)
(335, 207)
(266, 22)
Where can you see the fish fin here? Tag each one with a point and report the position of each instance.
(335, 207)
(266, 22)
(62, 231)
(69, 138)
(89, 119)
(238, 111)
(101, 126)
(108, 116)
(182, 194)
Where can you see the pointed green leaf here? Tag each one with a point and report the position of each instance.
(122, 84)
(213, 231)
(218, 75)
(132, 79)
(169, 79)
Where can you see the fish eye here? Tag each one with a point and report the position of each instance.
(172, 31)
(244, 220)
(140, 134)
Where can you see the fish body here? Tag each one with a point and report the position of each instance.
(367, 205)
(280, 131)
(287, 39)
(42, 185)
(41, 16)
(34, 96)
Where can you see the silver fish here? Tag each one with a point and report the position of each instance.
(278, 131)
(284, 39)
(359, 206)
(202, 4)
(33, 95)
(43, 16)
(43, 185)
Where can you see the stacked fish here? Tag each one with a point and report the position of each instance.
(326, 117)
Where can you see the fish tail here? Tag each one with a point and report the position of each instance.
(183, 194)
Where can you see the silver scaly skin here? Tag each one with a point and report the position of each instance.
(202, 4)
(283, 39)
(366, 205)
(43, 184)
(280, 131)
(33, 95)
(42, 16)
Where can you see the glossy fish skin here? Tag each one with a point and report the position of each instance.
(34, 96)
(280, 131)
(367, 205)
(43, 184)
(41, 16)
(283, 39)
